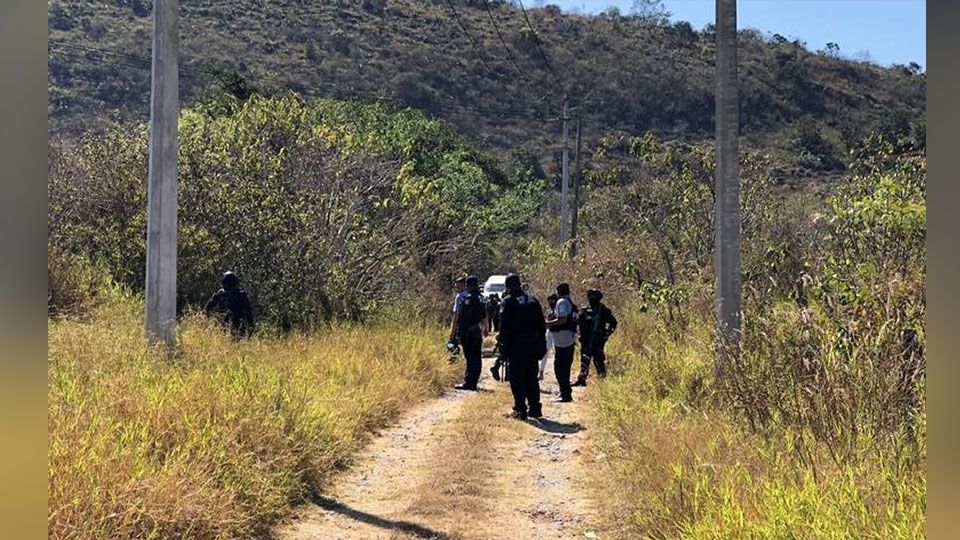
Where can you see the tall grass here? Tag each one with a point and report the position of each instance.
(221, 440)
(684, 462)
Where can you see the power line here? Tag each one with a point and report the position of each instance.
(496, 27)
(466, 32)
(536, 39)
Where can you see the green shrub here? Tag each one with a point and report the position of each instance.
(324, 208)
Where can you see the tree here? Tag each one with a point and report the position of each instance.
(651, 11)
(727, 192)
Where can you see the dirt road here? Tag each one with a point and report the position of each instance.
(457, 468)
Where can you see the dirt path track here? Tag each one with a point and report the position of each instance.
(457, 468)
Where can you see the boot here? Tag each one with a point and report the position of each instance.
(517, 415)
(465, 386)
(536, 412)
(495, 371)
(581, 381)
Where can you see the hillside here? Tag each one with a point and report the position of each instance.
(416, 53)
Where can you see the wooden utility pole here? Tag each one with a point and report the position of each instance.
(576, 195)
(727, 193)
(161, 272)
(565, 182)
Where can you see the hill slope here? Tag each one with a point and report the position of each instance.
(622, 74)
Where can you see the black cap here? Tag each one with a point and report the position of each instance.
(229, 279)
(512, 281)
(473, 281)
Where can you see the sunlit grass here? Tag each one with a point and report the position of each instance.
(221, 440)
(682, 465)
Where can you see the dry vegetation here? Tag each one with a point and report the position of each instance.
(414, 52)
(221, 440)
(819, 431)
(683, 466)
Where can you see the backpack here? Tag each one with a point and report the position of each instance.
(472, 311)
(539, 326)
(534, 327)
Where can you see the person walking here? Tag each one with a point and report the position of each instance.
(232, 305)
(469, 327)
(522, 342)
(563, 324)
(596, 323)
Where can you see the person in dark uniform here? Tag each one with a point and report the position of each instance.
(522, 341)
(596, 323)
(468, 329)
(493, 311)
(232, 305)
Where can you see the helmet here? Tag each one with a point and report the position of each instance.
(229, 279)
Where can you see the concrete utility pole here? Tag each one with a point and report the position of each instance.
(565, 182)
(161, 301)
(727, 248)
(576, 195)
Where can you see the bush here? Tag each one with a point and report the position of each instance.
(324, 208)
(819, 429)
(73, 283)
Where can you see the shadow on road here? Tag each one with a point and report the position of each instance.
(395, 525)
(551, 426)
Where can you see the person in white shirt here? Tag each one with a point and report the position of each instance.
(552, 300)
(563, 325)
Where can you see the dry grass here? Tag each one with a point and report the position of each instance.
(458, 492)
(680, 465)
(219, 442)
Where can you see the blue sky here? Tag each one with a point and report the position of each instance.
(891, 31)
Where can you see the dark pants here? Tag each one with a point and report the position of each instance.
(525, 387)
(599, 359)
(471, 343)
(562, 363)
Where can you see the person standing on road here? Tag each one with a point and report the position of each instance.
(468, 329)
(522, 329)
(493, 312)
(597, 323)
(552, 301)
(232, 305)
(563, 324)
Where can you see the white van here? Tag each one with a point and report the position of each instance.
(495, 285)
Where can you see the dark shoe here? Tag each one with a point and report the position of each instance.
(563, 399)
(536, 413)
(580, 382)
(496, 373)
(465, 386)
(517, 415)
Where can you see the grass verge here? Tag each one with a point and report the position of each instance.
(222, 440)
(681, 465)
